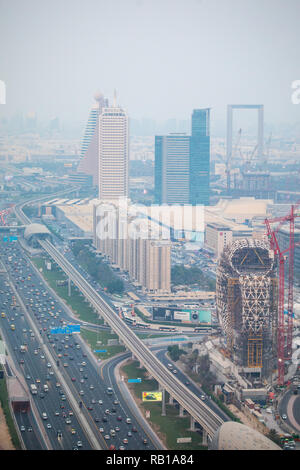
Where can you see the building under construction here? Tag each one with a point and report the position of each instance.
(247, 305)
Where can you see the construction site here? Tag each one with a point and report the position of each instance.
(246, 303)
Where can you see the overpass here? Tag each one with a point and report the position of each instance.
(199, 411)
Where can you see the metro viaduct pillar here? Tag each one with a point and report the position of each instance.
(192, 421)
(204, 438)
(181, 411)
(69, 287)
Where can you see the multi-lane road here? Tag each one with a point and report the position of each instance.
(79, 369)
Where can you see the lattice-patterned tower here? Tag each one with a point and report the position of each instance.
(247, 304)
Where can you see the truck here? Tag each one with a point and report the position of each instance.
(33, 389)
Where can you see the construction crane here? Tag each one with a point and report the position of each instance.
(283, 353)
(4, 213)
(267, 152)
(249, 157)
(229, 160)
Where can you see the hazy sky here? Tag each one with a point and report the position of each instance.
(164, 57)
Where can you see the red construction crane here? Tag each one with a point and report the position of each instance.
(282, 352)
(4, 213)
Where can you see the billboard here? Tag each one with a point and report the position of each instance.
(152, 396)
(184, 314)
(65, 330)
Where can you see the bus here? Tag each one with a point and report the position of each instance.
(130, 321)
(202, 329)
(167, 328)
(142, 325)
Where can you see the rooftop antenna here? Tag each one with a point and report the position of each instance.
(115, 98)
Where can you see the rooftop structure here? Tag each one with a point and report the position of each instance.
(236, 436)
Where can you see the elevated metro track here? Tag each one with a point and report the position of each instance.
(202, 414)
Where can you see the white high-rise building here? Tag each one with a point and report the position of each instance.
(113, 153)
(88, 163)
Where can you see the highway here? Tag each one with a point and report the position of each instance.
(208, 419)
(200, 411)
(77, 365)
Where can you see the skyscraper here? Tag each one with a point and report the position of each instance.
(113, 153)
(172, 169)
(246, 301)
(200, 157)
(88, 163)
(182, 164)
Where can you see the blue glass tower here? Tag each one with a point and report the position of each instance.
(172, 153)
(200, 157)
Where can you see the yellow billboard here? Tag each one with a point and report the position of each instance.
(152, 396)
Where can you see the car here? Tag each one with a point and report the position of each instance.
(121, 448)
(79, 444)
(90, 408)
(187, 383)
(97, 420)
(129, 434)
(71, 413)
(119, 418)
(284, 416)
(125, 441)
(81, 392)
(116, 402)
(73, 379)
(56, 413)
(104, 419)
(145, 441)
(101, 430)
(134, 429)
(29, 429)
(107, 437)
(73, 431)
(203, 397)
(128, 420)
(174, 371)
(49, 425)
(68, 421)
(100, 402)
(107, 412)
(22, 428)
(92, 387)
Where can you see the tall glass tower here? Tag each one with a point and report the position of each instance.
(200, 157)
(172, 169)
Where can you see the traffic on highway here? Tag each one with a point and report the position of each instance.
(109, 419)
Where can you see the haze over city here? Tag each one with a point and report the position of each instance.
(163, 57)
